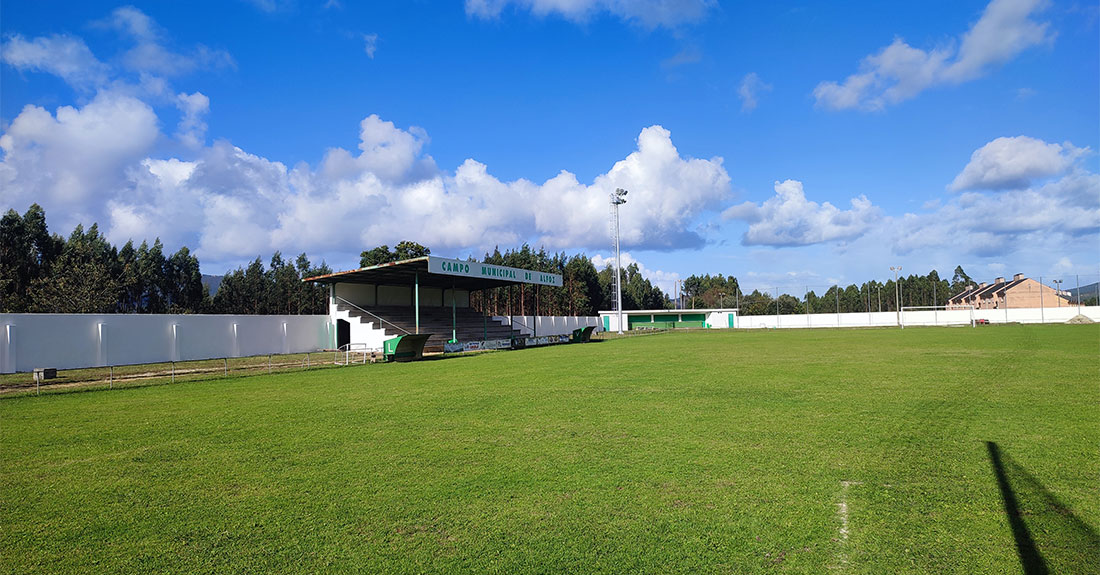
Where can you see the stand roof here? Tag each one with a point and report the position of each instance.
(431, 271)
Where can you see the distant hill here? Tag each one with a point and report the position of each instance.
(1086, 291)
(212, 283)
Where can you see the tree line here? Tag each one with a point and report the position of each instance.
(47, 273)
(914, 290)
(584, 291)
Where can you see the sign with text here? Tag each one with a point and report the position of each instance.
(450, 267)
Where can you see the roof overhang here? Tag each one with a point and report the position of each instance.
(432, 271)
(670, 311)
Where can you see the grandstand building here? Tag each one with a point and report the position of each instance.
(1020, 292)
(426, 295)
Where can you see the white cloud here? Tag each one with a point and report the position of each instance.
(154, 196)
(667, 192)
(899, 72)
(1013, 163)
(647, 13)
(662, 279)
(1004, 30)
(996, 224)
(789, 219)
(192, 126)
(1063, 265)
(63, 56)
(271, 6)
(392, 189)
(370, 44)
(688, 55)
(96, 164)
(385, 151)
(150, 55)
(141, 69)
(69, 159)
(750, 89)
(224, 204)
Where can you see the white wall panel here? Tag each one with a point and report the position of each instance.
(67, 341)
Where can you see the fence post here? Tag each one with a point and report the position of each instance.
(269, 364)
(226, 360)
(111, 381)
(173, 372)
(1078, 294)
(307, 360)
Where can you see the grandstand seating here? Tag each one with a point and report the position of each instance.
(470, 325)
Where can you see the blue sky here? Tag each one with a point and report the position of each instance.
(789, 144)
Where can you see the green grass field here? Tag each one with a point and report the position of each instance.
(930, 450)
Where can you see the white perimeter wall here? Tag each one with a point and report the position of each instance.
(68, 341)
(531, 325)
(917, 318)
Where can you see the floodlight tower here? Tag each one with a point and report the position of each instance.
(897, 296)
(618, 198)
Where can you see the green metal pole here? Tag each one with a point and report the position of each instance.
(416, 301)
(454, 315)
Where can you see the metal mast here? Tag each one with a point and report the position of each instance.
(618, 198)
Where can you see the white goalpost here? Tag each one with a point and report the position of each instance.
(937, 315)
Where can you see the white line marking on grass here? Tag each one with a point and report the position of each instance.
(842, 513)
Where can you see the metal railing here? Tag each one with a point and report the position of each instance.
(395, 326)
(369, 353)
(142, 374)
(514, 321)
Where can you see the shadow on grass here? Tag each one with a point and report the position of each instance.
(1050, 538)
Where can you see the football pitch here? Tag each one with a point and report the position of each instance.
(929, 450)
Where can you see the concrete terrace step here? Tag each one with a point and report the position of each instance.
(468, 325)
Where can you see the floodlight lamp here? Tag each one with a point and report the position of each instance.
(620, 192)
